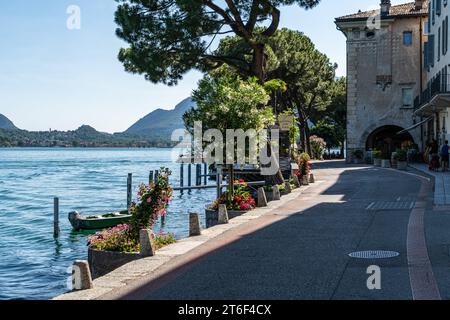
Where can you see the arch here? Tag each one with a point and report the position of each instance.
(387, 140)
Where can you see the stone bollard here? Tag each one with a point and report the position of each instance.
(194, 225)
(223, 214)
(276, 193)
(81, 276)
(287, 185)
(262, 200)
(147, 243)
(305, 180)
(296, 181)
(311, 178)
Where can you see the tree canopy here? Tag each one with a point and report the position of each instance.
(168, 38)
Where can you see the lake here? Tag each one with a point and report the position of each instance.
(33, 264)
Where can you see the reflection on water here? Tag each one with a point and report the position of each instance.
(34, 264)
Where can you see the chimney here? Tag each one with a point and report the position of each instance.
(419, 4)
(385, 7)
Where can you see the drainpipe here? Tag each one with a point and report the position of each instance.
(421, 77)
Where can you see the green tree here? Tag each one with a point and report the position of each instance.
(329, 132)
(228, 102)
(168, 38)
(335, 114)
(308, 74)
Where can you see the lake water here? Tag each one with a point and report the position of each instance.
(33, 265)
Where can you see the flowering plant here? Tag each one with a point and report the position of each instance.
(241, 200)
(303, 161)
(152, 202)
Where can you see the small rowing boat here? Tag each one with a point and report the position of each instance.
(96, 222)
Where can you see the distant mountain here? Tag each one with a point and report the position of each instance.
(160, 123)
(5, 123)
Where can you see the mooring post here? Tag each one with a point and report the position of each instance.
(182, 176)
(56, 217)
(189, 175)
(129, 191)
(198, 172)
(150, 177)
(156, 175)
(205, 169)
(219, 181)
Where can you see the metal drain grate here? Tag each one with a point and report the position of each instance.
(374, 254)
(391, 205)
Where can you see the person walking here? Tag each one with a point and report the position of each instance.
(445, 156)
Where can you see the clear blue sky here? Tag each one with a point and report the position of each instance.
(51, 77)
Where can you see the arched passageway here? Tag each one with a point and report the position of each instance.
(387, 140)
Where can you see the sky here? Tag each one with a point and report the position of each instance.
(53, 77)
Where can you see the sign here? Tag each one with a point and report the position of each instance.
(286, 122)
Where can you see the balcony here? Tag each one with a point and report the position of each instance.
(435, 98)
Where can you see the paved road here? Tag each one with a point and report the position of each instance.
(301, 251)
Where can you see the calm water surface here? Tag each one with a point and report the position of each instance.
(33, 265)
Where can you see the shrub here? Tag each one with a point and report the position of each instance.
(401, 155)
(163, 239)
(318, 146)
(241, 200)
(376, 154)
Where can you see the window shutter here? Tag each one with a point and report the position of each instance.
(425, 55)
(431, 50)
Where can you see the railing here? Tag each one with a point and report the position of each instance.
(440, 84)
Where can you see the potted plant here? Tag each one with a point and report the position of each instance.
(304, 165)
(376, 154)
(112, 248)
(358, 156)
(402, 159)
(239, 203)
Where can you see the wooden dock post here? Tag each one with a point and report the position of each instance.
(56, 217)
(198, 172)
(129, 191)
(189, 175)
(182, 177)
(156, 175)
(150, 177)
(219, 181)
(205, 177)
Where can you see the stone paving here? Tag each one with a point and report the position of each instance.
(441, 184)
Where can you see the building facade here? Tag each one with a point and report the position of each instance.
(433, 103)
(385, 71)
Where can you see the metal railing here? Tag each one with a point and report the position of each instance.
(439, 85)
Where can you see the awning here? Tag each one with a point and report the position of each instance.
(416, 125)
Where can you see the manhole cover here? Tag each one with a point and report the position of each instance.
(374, 254)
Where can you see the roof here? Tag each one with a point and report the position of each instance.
(402, 10)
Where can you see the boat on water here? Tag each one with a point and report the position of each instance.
(97, 222)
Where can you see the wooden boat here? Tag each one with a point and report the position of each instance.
(96, 222)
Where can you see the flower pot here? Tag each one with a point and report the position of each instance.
(212, 216)
(385, 163)
(103, 262)
(377, 162)
(402, 165)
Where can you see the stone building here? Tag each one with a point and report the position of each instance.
(385, 71)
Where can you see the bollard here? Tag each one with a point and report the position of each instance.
(129, 191)
(262, 200)
(56, 217)
(305, 180)
(223, 214)
(296, 181)
(276, 193)
(147, 243)
(311, 178)
(194, 225)
(81, 276)
(287, 185)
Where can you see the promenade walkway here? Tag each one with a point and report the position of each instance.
(441, 184)
(299, 248)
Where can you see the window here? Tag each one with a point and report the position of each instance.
(438, 7)
(407, 38)
(433, 12)
(407, 96)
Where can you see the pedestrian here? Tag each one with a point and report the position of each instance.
(444, 156)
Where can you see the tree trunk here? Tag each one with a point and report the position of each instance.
(307, 137)
(259, 62)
